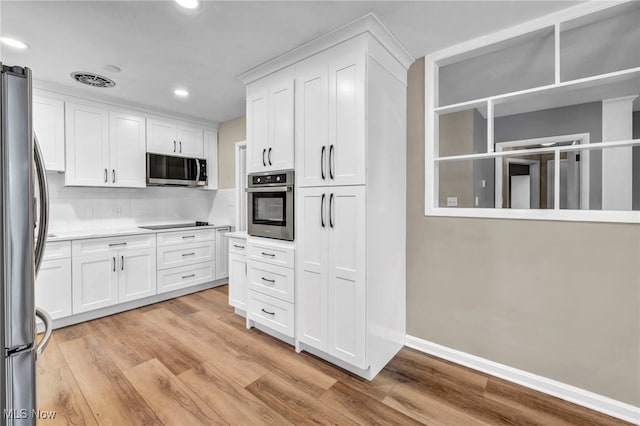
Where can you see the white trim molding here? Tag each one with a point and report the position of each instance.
(585, 398)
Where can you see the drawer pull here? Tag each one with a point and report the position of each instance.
(188, 276)
(267, 312)
(187, 254)
(268, 254)
(188, 236)
(268, 280)
(237, 246)
(117, 244)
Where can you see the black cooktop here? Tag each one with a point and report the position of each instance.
(175, 225)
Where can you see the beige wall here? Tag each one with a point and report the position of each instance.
(229, 133)
(557, 299)
(456, 177)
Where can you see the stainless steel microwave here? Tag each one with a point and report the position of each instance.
(167, 170)
(270, 204)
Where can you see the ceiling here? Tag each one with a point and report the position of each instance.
(160, 46)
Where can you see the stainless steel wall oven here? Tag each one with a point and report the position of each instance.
(270, 204)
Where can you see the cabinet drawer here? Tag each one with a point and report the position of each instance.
(273, 253)
(271, 280)
(185, 237)
(102, 245)
(237, 246)
(186, 254)
(271, 312)
(186, 276)
(57, 250)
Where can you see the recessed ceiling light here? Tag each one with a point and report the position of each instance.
(182, 93)
(12, 42)
(188, 4)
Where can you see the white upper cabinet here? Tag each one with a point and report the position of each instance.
(87, 153)
(312, 129)
(104, 148)
(48, 124)
(171, 138)
(190, 141)
(211, 155)
(330, 120)
(161, 137)
(127, 150)
(270, 136)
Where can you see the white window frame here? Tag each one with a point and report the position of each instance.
(459, 52)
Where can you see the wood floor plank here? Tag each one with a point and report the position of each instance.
(297, 407)
(172, 401)
(72, 332)
(215, 352)
(58, 391)
(235, 405)
(426, 409)
(121, 345)
(109, 394)
(363, 409)
(273, 355)
(200, 303)
(169, 351)
(52, 358)
(547, 409)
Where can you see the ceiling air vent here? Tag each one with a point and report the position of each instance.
(93, 80)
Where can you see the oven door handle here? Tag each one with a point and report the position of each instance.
(271, 189)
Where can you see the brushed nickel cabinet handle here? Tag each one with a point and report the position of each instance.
(268, 280)
(269, 157)
(188, 254)
(268, 254)
(322, 211)
(331, 211)
(114, 263)
(106, 176)
(331, 162)
(237, 246)
(267, 312)
(113, 175)
(322, 173)
(188, 276)
(122, 263)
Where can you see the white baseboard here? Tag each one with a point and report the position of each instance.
(560, 390)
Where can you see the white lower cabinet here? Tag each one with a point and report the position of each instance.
(222, 253)
(186, 258)
(331, 267)
(272, 313)
(53, 284)
(137, 274)
(114, 273)
(270, 285)
(185, 276)
(237, 273)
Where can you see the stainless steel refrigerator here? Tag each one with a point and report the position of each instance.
(23, 231)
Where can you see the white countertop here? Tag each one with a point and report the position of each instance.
(79, 234)
(237, 234)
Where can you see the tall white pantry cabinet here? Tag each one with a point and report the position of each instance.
(350, 208)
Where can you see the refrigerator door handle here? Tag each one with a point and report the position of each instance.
(48, 328)
(43, 195)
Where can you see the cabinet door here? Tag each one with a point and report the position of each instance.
(48, 124)
(211, 155)
(347, 120)
(346, 290)
(312, 266)
(222, 254)
(136, 274)
(257, 130)
(127, 149)
(190, 141)
(238, 281)
(53, 287)
(312, 131)
(280, 151)
(161, 137)
(87, 154)
(94, 282)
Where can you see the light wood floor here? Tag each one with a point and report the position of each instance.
(190, 361)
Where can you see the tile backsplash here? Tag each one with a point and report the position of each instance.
(74, 208)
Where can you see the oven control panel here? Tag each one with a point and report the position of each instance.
(280, 178)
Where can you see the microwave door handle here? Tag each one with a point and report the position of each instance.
(197, 169)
